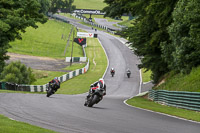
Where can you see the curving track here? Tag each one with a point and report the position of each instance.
(66, 113)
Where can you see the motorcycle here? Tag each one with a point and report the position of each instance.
(95, 97)
(112, 73)
(50, 90)
(128, 74)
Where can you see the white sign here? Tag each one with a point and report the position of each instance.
(85, 34)
(88, 11)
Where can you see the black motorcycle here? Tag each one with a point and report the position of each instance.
(95, 97)
(50, 90)
(112, 73)
(128, 74)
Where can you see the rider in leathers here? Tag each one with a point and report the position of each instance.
(100, 84)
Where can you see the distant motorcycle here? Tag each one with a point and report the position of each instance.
(128, 73)
(112, 73)
(96, 96)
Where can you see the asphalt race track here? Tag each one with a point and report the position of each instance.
(66, 113)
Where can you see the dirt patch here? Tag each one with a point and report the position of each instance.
(40, 63)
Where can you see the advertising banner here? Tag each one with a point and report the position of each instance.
(88, 11)
(80, 41)
(85, 34)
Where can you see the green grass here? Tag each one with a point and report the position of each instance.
(146, 75)
(49, 40)
(75, 66)
(147, 104)
(11, 126)
(44, 77)
(89, 4)
(81, 83)
(182, 82)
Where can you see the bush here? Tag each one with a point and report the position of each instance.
(16, 72)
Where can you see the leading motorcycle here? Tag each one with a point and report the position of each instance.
(96, 95)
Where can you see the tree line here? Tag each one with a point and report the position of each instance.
(16, 16)
(165, 33)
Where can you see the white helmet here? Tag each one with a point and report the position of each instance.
(101, 82)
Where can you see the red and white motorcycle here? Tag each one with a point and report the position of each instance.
(96, 95)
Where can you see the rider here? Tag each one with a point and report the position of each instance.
(112, 70)
(100, 83)
(55, 84)
(128, 70)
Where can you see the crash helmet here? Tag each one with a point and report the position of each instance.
(91, 85)
(112, 68)
(101, 82)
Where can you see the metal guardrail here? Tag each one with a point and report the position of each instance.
(181, 99)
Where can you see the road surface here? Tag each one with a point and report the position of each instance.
(66, 113)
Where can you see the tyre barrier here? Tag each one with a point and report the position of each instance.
(63, 78)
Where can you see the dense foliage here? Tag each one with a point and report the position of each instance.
(165, 33)
(183, 53)
(15, 16)
(18, 73)
(45, 5)
(63, 5)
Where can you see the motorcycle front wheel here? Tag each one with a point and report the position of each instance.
(49, 92)
(93, 100)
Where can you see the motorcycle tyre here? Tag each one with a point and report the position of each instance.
(93, 101)
(49, 92)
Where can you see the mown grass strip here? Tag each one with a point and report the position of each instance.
(89, 4)
(49, 40)
(11, 126)
(81, 83)
(147, 104)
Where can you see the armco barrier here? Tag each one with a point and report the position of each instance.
(65, 77)
(96, 25)
(181, 99)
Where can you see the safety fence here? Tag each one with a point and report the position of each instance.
(112, 31)
(181, 99)
(57, 17)
(42, 88)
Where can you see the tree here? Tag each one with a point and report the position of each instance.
(149, 30)
(64, 5)
(15, 17)
(45, 5)
(18, 73)
(183, 53)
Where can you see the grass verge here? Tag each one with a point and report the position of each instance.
(98, 64)
(146, 75)
(182, 82)
(49, 40)
(89, 4)
(44, 77)
(11, 126)
(144, 103)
